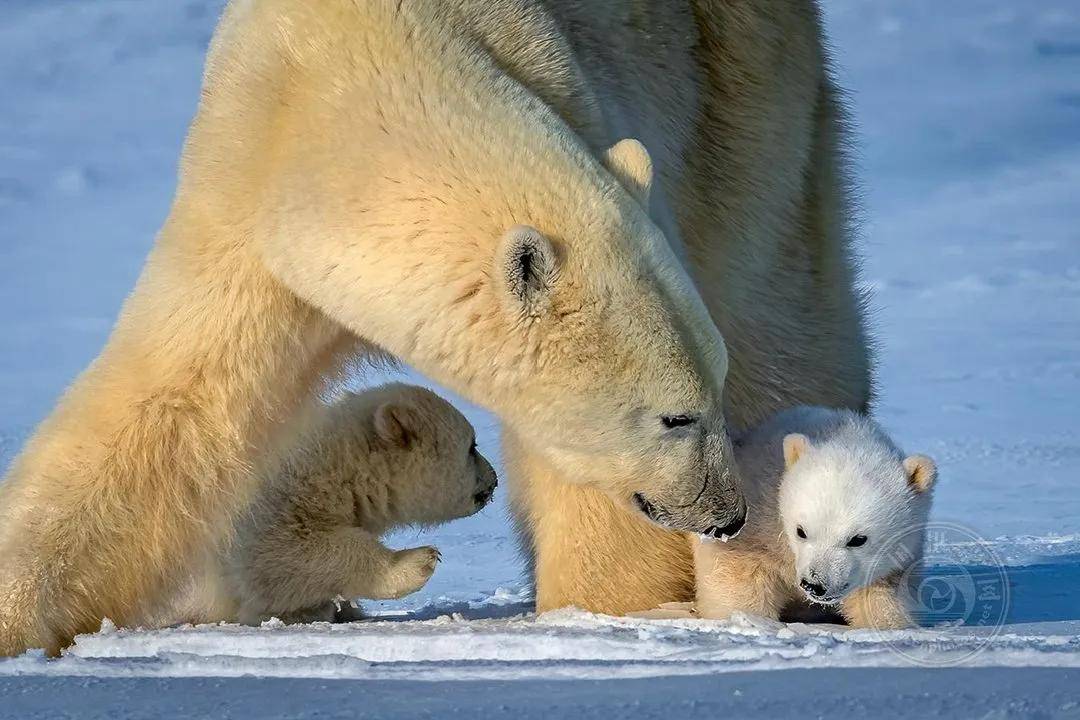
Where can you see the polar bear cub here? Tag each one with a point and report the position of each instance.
(392, 456)
(836, 512)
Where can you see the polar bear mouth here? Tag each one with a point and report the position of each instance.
(829, 602)
(483, 497)
(723, 534)
(662, 517)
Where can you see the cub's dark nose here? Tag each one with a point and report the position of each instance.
(814, 589)
(486, 490)
(730, 530)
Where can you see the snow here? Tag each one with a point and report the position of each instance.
(968, 137)
(567, 643)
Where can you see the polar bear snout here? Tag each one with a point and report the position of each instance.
(827, 587)
(813, 589)
(719, 516)
(819, 593)
(720, 506)
(724, 518)
(486, 482)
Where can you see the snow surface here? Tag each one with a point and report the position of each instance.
(968, 119)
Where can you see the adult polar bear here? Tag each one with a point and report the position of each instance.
(442, 181)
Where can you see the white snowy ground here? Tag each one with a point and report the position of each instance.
(968, 114)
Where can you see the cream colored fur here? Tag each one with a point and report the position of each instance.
(441, 181)
(389, 457)
(746, 134)
(833, 475)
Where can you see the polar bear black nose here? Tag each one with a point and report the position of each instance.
(813, 588)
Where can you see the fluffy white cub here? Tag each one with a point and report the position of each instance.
(836, 517)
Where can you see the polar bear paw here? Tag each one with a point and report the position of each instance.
(409, 571)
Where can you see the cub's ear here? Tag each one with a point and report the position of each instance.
(528, 266)
(921, 472)
(396, 424)
(629, 162)
(794, 447)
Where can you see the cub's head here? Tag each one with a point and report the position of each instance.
(848, 504)
(428, 444)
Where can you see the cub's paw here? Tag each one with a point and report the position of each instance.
(877, 607)
(409, 571)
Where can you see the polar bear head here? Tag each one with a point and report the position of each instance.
(430, 449)
(852, 508)
(617, 368)
(534, 283)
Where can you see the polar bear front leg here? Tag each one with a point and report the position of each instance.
(585, 551)
(155, 450)
(732, 580)
(879, 606)
(290, 572)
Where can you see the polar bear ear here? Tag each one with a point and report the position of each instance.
(629, 162)
(794, 447)
(921, 472)
(395, 424)
(528, 266)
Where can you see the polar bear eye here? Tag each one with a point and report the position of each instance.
(800, 532)
(472, 448)
(857, 541)
(677, 421)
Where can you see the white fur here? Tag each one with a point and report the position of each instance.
(354, 186)
(836, 475)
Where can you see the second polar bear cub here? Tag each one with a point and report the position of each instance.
(392, 456)
(835, 519)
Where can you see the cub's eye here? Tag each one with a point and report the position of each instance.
(472, 448)
(677, 421)
(800, 532)
(857, 541)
